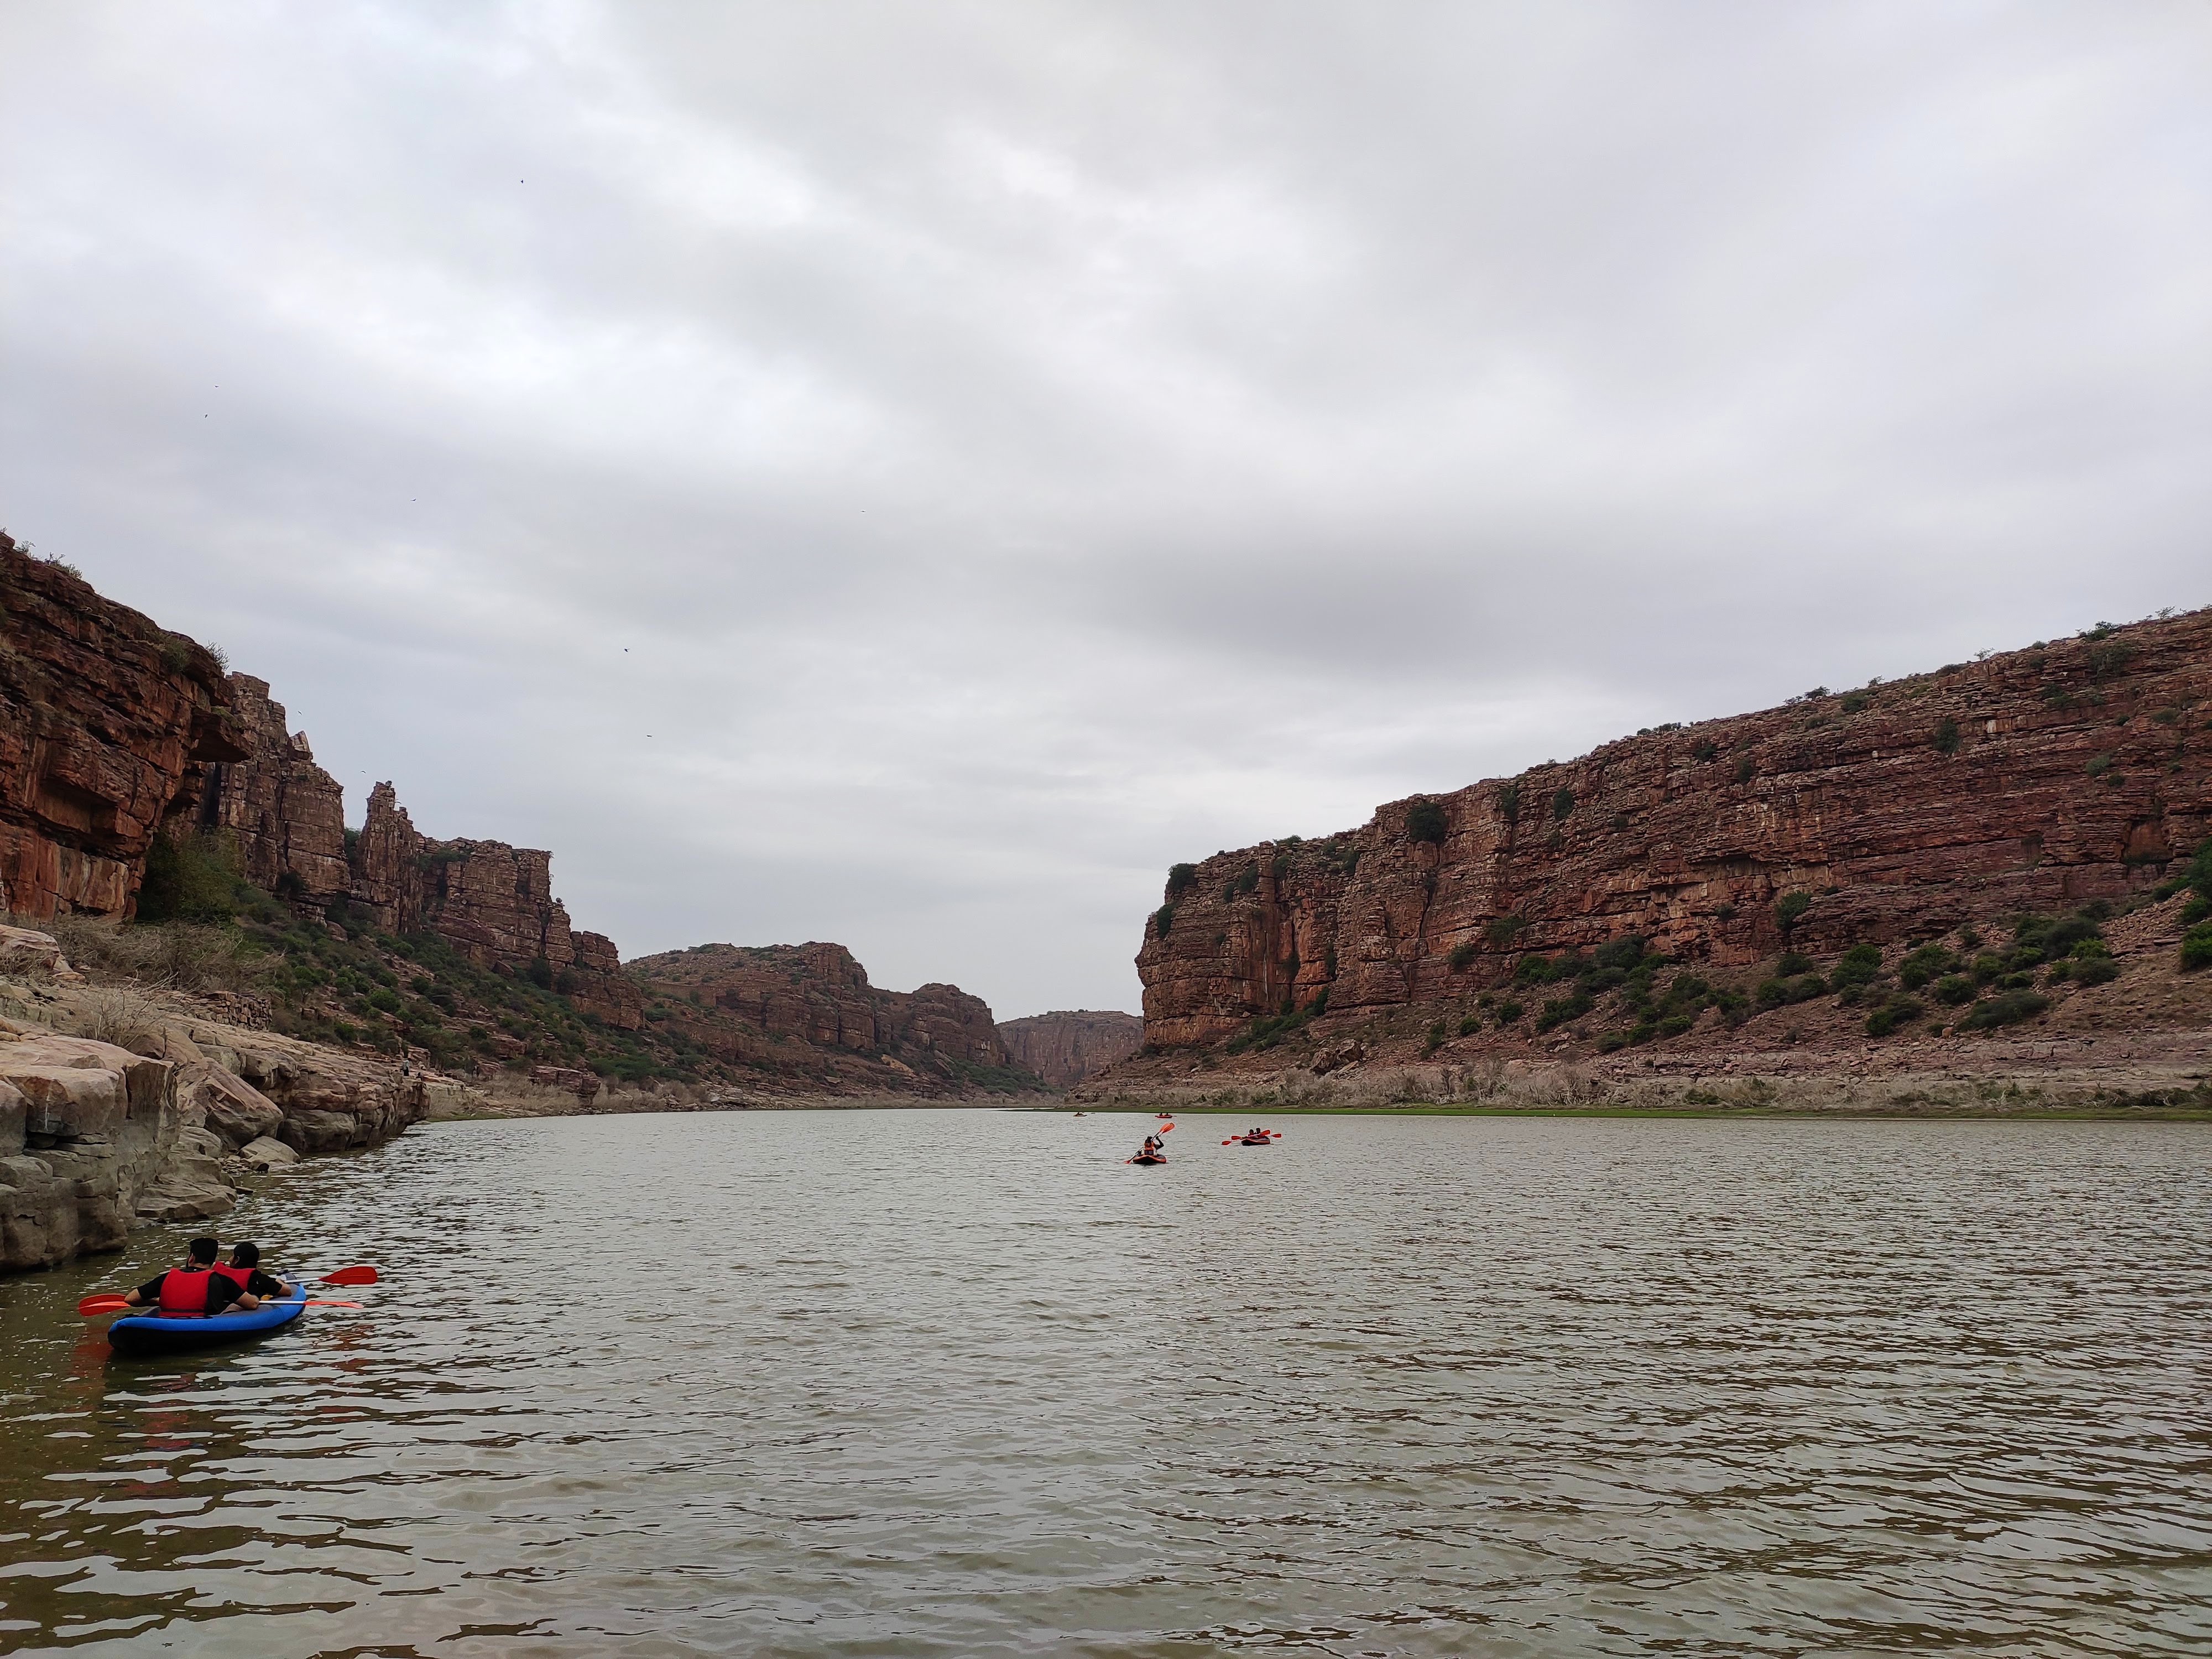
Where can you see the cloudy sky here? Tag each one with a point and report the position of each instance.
(904, 474)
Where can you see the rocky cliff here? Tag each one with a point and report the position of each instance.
(1067, 1046)
(108, 727)
(2035, 780)
(286, 815)
(494, 904)
(807, 1014)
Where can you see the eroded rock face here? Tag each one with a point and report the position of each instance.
(493, 903)
(1063, 1047)
(106, 726)
(91, 1137)
(809, 1008)
(2033, 780)
(287, 814)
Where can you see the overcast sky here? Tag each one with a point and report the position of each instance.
(905, 474)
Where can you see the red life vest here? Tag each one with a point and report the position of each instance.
(183, 1293)
(240, 1277)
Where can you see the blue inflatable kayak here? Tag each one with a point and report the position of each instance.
(138, 1333)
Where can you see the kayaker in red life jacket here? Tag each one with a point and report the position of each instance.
(195, 1290)
(244, 1270)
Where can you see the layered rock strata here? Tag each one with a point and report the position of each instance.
(285, 814)
(2037, 780)
(107, 724)
(809, 1011)
(494, 904)
(1066, 1046)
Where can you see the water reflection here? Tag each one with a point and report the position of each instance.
(963, 1383)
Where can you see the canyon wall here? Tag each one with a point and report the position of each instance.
(809, 1010)
(494, 904)
(2035, 780)
(108, 727)
(285, 814)
(1068, 1045)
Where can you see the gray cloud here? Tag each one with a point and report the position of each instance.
(996, 450)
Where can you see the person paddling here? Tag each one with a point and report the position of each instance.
(244, 1270)
(195, 1290)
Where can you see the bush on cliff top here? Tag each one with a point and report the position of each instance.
(1425, 822)
(2196, 947)
(1182, 878)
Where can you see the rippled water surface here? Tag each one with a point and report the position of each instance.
(962, 1382)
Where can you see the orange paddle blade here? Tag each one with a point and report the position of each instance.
(107, 1302)
(363, 1274)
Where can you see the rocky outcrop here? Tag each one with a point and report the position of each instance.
(106, 726)
(808, 1011)
(2037, 780)
(91, 1141)
(494, 904)
(1065, 1047)
(285, 814)
(97, 1136)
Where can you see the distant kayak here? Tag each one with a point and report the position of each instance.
(1147, 1158)
(1255, 1141)
(141, 1333)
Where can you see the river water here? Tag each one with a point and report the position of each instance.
(964, 1383)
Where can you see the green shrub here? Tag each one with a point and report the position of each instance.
(2098, 765)
(1319, 1006)
(1855, 703)
(1532, 969)
(1509, 802)
(1559, 1010)
(1182, 878)
(1897, 1011)
(1563, 803)
(1436, 1038)
(1425, 822)
(1469, 1025)
(2007, 1009)
(1743, 768)
(1790, 908)
(2092, 971)
(1508, 1013)
(2194, 911)
(1923, 963)
(384, 1001)
(1703, 749)
(1860, 965)
(1674, 1024)
(540, 973)
(1503, 930)
(2197, 946)
(1724, 912)
(1624, 953)
(191, 878)
(1281, 867)
(1985, 968)
(1954, 989)
(1946, 736)
(1794, 962)
(1463, 954)
(1163, 918)
(1248, 879)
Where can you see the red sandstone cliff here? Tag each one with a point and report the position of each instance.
(107, 724)
(2037, 780)
(285, 813)
(494, 904)
(809, 1010)
(1065, 1047)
